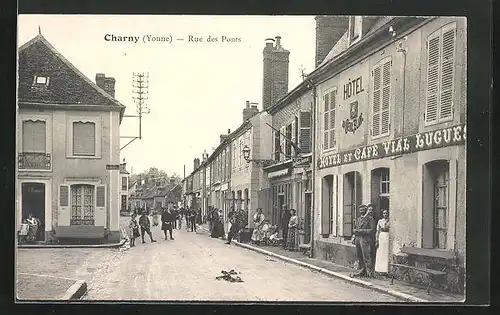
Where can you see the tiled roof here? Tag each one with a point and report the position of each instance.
(67, 85)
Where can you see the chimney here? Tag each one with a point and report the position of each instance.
(196, 163)
(249, 112)
(275, 72)
(329, 29)
(123, 166)
(105, 83)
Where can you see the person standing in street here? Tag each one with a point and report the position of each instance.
(235, 227)
(292, 231)
(363, 239)
(167, 220)
(145, 225)
(133, 229)
(258, 220)
(192, 220)
(382, 244)
(285, 219)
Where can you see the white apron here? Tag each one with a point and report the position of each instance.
(382, 258)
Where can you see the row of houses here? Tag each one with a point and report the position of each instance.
(381, 120)
(161, 194)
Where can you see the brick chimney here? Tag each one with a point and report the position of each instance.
(249, 111)
(105, 83)
(196, 163)
(329, 29)
(275, 72)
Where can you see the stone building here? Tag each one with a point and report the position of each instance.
(390, 130)
(68, 131)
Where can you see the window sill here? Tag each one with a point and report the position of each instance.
(428, 252)
(439, 122)
(381, 136)
(332, 150)
(88, 157)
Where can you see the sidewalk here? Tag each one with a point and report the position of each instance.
(399, 289)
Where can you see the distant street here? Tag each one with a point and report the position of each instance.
(185, 269)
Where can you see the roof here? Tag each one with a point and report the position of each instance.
(67, 85)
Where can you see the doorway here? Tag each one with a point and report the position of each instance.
(281, 202)
(352, 200)
(307, 218)
(33, 201)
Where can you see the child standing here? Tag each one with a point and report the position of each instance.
(133, 230)
(23, 233)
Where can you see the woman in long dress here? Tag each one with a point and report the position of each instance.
(33, 227)
(382, 244)
(258, 220)
(292, 231)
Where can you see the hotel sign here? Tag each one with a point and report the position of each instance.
(279, 173)
(455, 135)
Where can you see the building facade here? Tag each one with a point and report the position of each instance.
(124, 180)
(67, 133)
(220, 167)
(391, 115)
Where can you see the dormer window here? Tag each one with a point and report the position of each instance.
(40, 81)
(355, 23)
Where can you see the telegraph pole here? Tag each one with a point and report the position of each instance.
(140, 86)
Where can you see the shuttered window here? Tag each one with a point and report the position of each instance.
(288, 144)
(64, 196)
(282, 144)
(305, 131)
(381, 100)
(100, 196)
(84, 141)
(277, 148)
(34, 136)
(440, 75)
(329, 107)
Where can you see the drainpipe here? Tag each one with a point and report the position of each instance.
(313, 160)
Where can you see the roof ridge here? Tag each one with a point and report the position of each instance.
(43, 40)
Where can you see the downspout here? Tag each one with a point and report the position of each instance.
(313, 173)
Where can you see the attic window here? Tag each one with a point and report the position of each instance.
(355, 23)
(41, 81)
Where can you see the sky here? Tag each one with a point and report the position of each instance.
(197, 90)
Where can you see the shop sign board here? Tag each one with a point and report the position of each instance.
(450, 136)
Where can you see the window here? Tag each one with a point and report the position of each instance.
(295, 136)
(352, 200)
(440, 208)
(124, 203)
(288, 144)
(82, 205)
(384, 182)
(381, 98)
(84, 138)
(34, 136)
(327, 216)
(39, 81)
(355, 23)
(440, 75)
(304, 137)
(380, 191)
(329, 105)
(124, 183)
(277, 146)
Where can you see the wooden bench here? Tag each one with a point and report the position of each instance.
(78, 233)
(305, 248)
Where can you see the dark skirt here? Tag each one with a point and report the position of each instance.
(217, 230)
(166, 226)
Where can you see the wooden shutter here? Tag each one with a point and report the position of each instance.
(305, 131)
(34, 136)
(282, 143)
(326, 121)
(64, 206)
(333, 105)
(84, 138)
(431, 108)
(294, 138)
(347, 212)
(447, 73)
(386, 97)
(376, 102)
(100, 206)
(325, 204)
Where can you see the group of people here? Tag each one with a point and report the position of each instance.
(289, 227)
(236, 220)
(372, 242)
(30, 230)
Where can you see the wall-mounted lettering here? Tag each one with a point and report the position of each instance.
(355, 119)
(456, 135)
(353, 87)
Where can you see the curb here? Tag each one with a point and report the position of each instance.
(366, 284)
(113, 245)
(76, 291)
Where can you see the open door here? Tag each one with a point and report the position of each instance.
(33, 202)
(307, 218)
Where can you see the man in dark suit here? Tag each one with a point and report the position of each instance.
(145, 226)
(364, 234)
(167, 219)
(285, 219)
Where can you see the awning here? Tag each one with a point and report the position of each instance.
(278, 173)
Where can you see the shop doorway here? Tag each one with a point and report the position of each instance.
(33, 201)
(277, 214)
(380, 191)
(352, 200)
(307, 218)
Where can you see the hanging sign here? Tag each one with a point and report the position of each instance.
(279, 173)
(419, 142)
(112, 167)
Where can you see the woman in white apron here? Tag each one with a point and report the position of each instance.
(382, 244)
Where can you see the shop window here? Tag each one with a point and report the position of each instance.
(435, 204)
(380, 191)
(82, 205)
(352, 200)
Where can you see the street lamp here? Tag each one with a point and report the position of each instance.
(246, 156)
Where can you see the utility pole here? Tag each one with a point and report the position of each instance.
(140, 85)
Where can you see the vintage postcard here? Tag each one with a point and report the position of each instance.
(241, 158)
